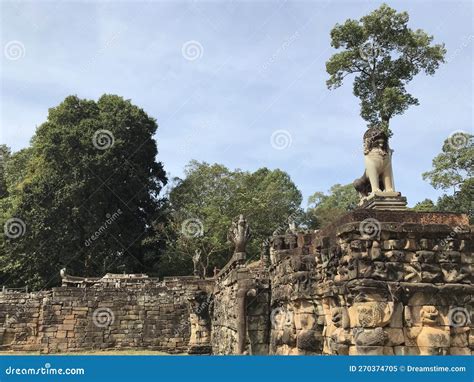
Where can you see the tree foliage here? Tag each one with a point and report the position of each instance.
(324, 209)
(454, 164)
(204, 204)
(461, 201)
(87, 191)
(453, 169)
(384, 54)
(427, 205)
(5, 153)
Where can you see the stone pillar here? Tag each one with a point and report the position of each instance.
(200, 306)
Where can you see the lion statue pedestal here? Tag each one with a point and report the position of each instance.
(385, 201)
(376, 186)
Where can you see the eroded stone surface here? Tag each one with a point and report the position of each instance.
(404, 289)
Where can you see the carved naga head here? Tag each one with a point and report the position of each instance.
(239, 234)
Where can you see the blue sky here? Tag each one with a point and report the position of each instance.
(259, 69)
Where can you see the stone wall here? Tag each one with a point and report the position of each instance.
(145, 315)
(375, 282)
(240, 319)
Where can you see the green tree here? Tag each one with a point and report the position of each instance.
(5, 153)
(14, 171)
(205, 202)
(453, 170)
(454, 164)
(462, 201)
(87, 193)
(426, 205)
(385, 55)
(324, 209)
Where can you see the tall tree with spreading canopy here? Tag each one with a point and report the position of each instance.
(384, 54)
(87, 194)
(204, 204)
(454, 165)
(453, 170)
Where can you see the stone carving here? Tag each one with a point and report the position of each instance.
(245, 291)
(292, 227)
(239, 234)
(200, 307)
(431, 338)
(196, 261)
(369, 337)
(335, 292)
(265, 254)
(378, 174)
(371, 314)
(291, 241)
(278, 243)
(340, 339)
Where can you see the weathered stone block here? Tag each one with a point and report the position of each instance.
(309, 340)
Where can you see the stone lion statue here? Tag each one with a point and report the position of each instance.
(378, 174)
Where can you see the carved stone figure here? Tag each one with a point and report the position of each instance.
(200, 308)
(239, 234)
(265, 254)
(378, 174)
(340, 339)
(292, 227)
(196, 261)
(291, 241)
(431, 338)
(369, 337)
(278, 243)
(371, 314)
